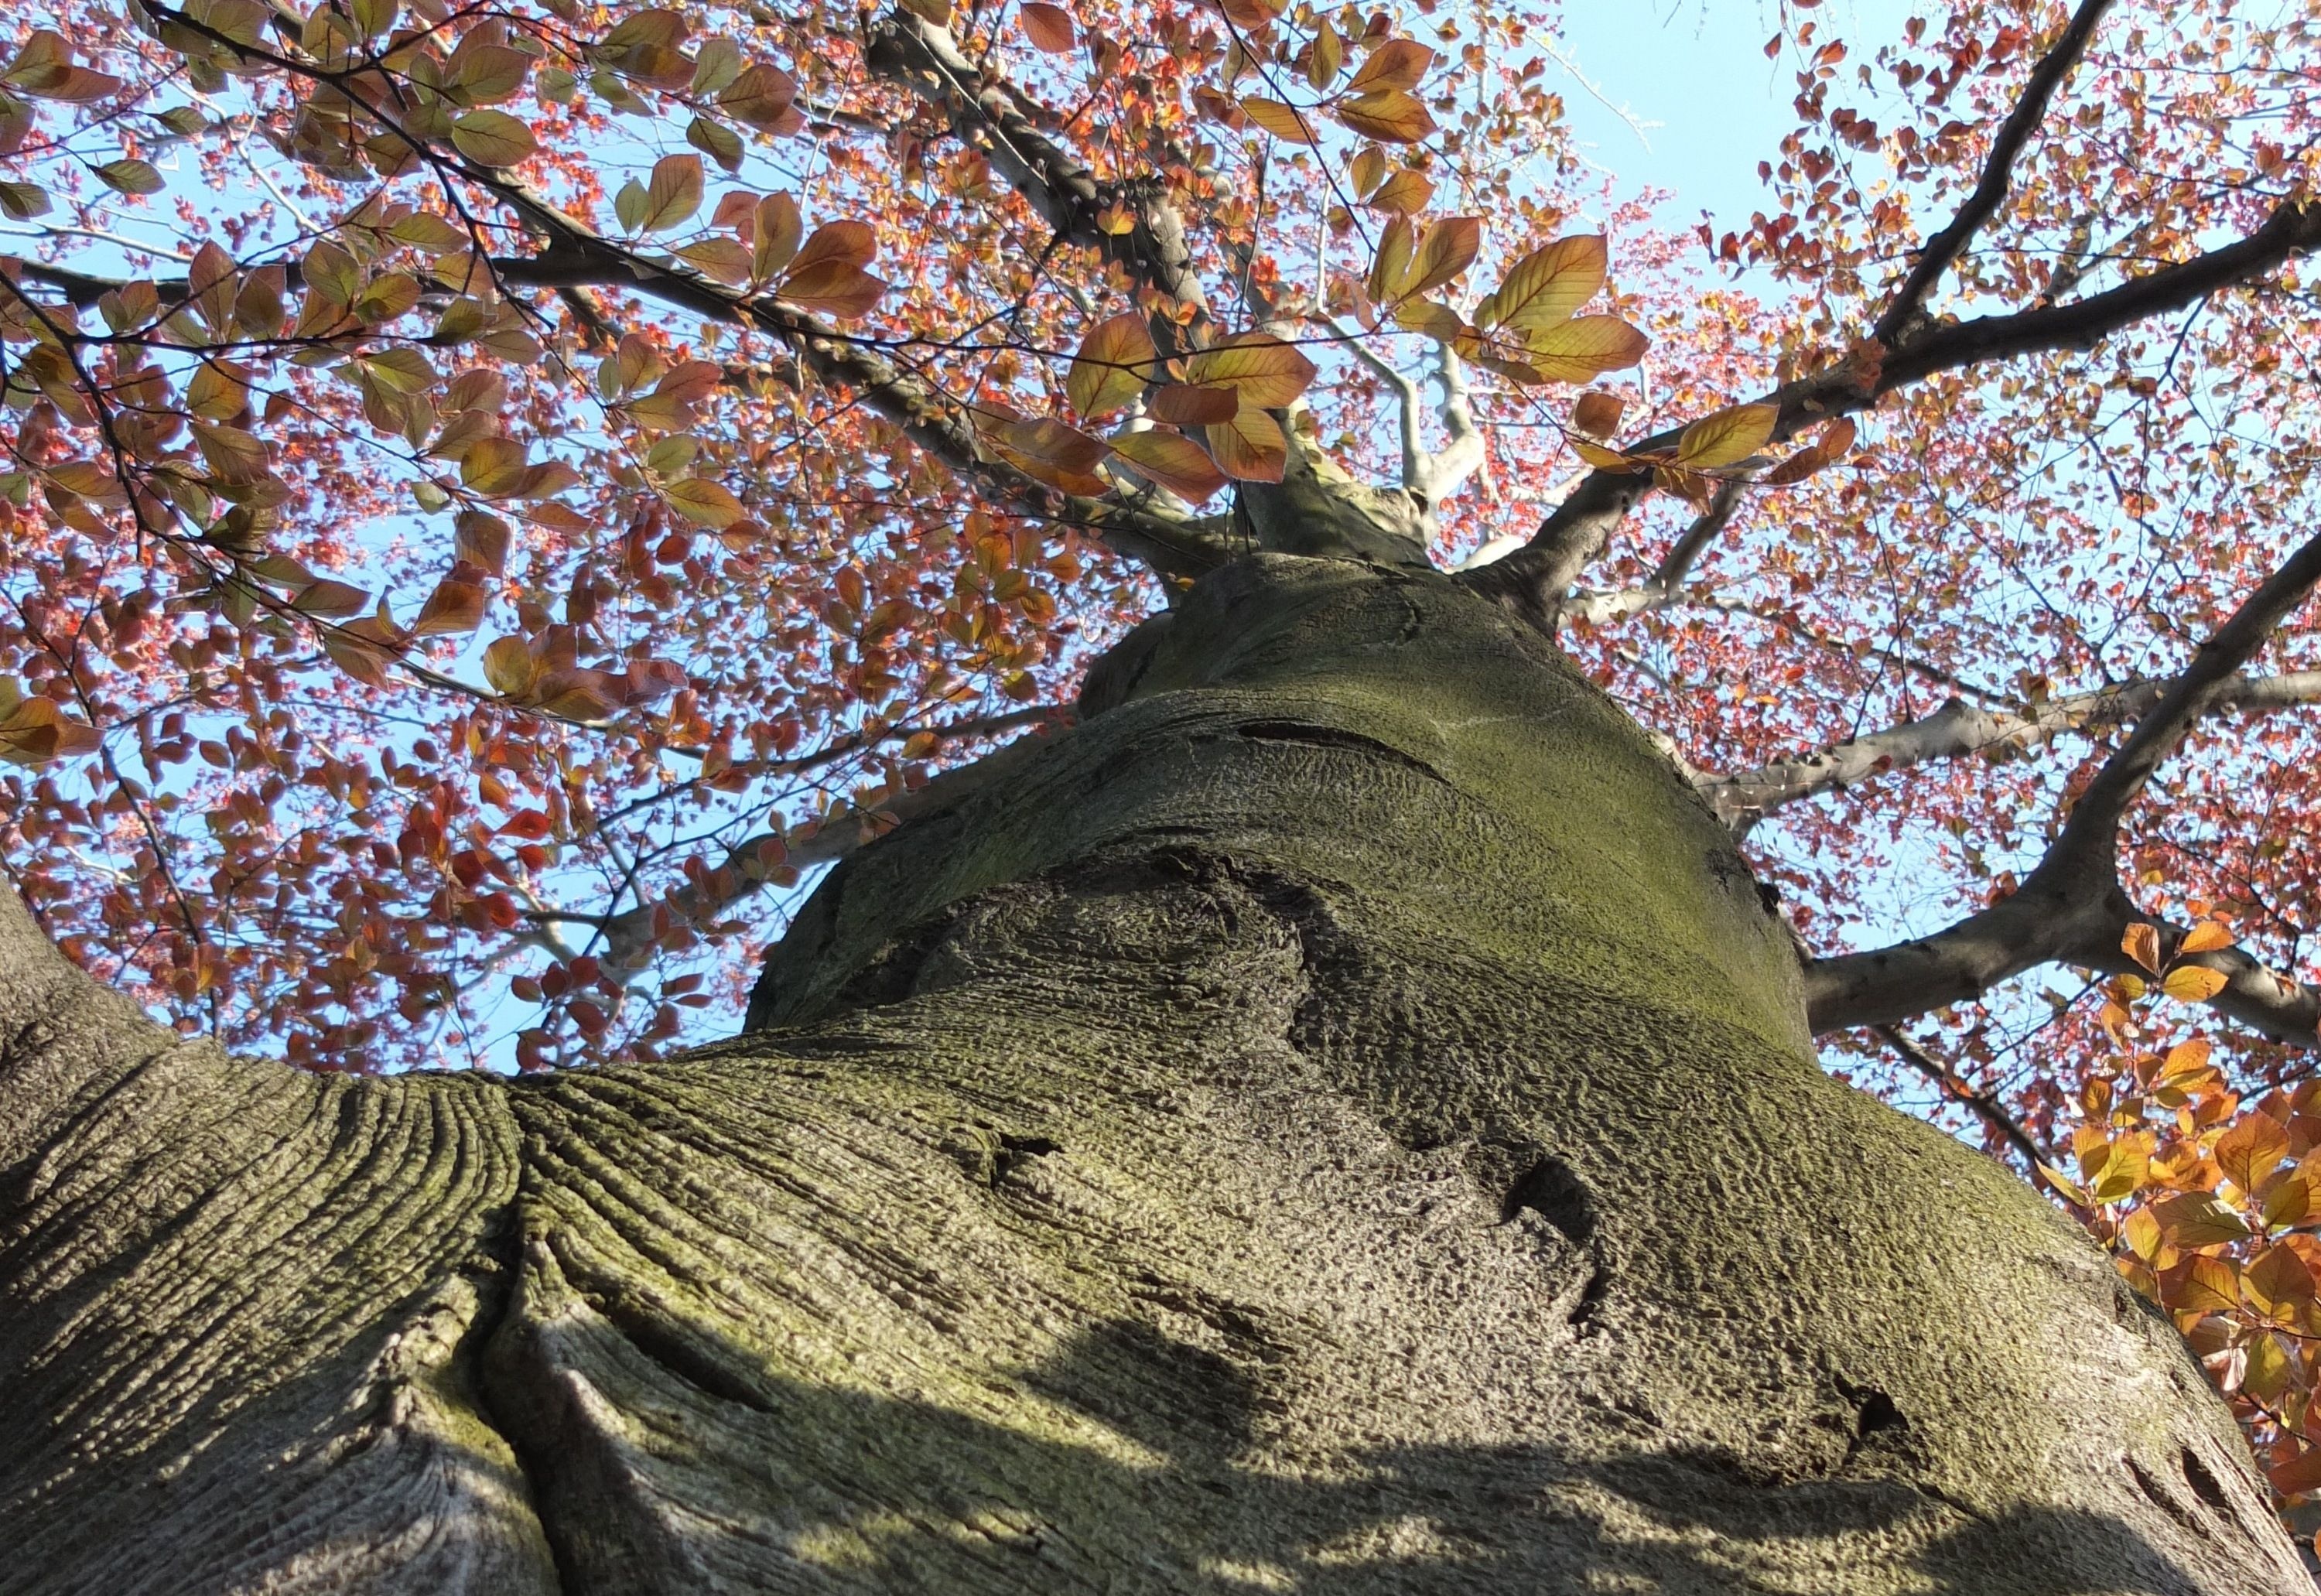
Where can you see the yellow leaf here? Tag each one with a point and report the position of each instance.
(1283, 122)
(1328, 55)
(2277, 1283)
(2289, 1202)
(1730, 436)
(1406, 193)
(1171, 459)
(1249, 447)
(508, 666)
(1114, 362)
(704, 502)
(674, 193)
(1396, 242)
(492, 138)
(1581, 349)
(2197, 1219)
(1606, 460)
(2190, 983)
(2202, 1283)
(1368, 170)
(1448, 248)
(2141, 942)
(1547, 286)
(1264, 371)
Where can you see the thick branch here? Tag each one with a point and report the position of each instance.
(1943, 251)
(1960, 729)
(993, 116)
(2071, 907)
(1532, 581)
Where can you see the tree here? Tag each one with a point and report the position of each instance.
(1334, 1109)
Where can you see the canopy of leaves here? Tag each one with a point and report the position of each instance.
(493, 488)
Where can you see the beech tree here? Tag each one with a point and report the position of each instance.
(1379, 723)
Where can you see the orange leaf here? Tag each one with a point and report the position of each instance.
(2206, 937)
(1448, 248)
(2202, 1283)
(2141, 942)
(1398, 63)
(835, 288)
(1405, 193)
(453, 606)
(1597, 414)
(2196, 1219)
(1251, 447)
(1392, 116)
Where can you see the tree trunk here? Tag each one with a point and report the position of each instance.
(1341, 1120)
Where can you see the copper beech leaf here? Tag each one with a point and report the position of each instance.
(1114, 362)
(1171, 460)
(1727, 437)
(1049, 28)
(493, 139)
(2194, 983)
(704, 502)
(1263, 370)
(1251, 447)
(2141, 942)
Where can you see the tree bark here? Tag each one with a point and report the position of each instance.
(1341, 1119)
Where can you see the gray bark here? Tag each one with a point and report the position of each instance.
(1341, 1120)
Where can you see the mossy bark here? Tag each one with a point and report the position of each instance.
(1341, 1120)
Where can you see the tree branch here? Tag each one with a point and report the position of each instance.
(1943, 251)
(2071, 907)
(1984, 1106)
(1533, 581)
(1959, 729)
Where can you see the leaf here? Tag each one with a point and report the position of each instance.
(2192, 983)
(2202, 1283)
(1172, 461)
(2206, 937)
(1405, 193)
(1251, 447)
(2196, 1219)
(721, 143)
(1327, 56)
(1115, 361)
(775, 232)
(1598, 413)
(1283, 122)
(453, 607)
(2250, 1149)
(481, 540)
(704, 502)
(2277, 1282)
(1368, 170)
(1446, 249)
(847, 242)
(1185, 404)
(509, 666)
(1547, 286)
(129, 176)
(1045, 441)
(673, 194)
(833, 287)
(1728, 436)
(1393, 117)
(1584, 349)
(492, 138)
(1266, 372)
(1606, 460)
(2141, 942)
(1048, 27)
(1397, 244)
(1398, 63)
(2299, 1476)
